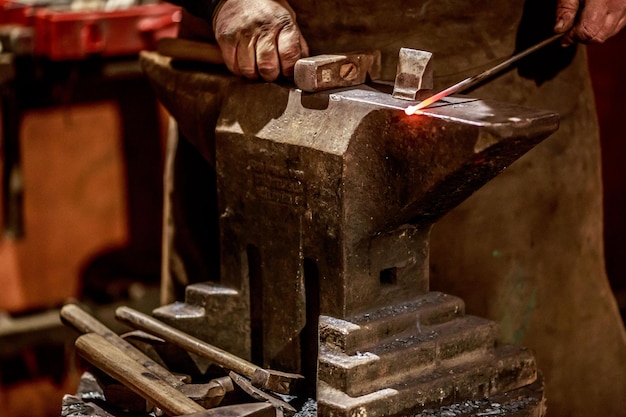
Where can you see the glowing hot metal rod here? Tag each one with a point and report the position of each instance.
(475, 79)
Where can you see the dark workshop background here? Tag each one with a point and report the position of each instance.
(92, 171)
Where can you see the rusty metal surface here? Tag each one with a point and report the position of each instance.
(328, 185)
(412, 356)
(73, 406)
(326, 203)
(261, 395)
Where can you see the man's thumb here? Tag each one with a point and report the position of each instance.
(566, 11)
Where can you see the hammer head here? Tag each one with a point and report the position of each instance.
(211, 394)
(325, 72)
(277, 381)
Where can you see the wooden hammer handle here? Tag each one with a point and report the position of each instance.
(282, 382)
(181, 339)
(85, 323)
(104, 355)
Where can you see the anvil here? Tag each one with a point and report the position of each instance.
(326, 202)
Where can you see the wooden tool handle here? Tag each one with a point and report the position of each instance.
(188, 50)
(148, 324)
(82, 321)
(85, 323)
(104, 355)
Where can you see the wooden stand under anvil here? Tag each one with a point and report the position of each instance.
(326, 202)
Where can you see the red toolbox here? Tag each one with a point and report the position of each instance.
(63, 34)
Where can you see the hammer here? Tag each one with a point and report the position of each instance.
(112, 360)
(209, 394)
(281, 382)
(311, 74)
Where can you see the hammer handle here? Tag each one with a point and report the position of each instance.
(188, 50)
(222, 358)
(103, 354)
(85, 323)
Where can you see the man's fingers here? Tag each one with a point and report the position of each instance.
(229, 53)
(594, 21)
(304, 47)
(566, 11)
(267, 56)
(259, 37)
(621, 23)
(278, 53)
(289, 49)
(246, 57)
(599, 20)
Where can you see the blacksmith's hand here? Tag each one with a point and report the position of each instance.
(589, 21)
(259, 38)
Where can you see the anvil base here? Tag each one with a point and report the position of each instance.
(415, 356)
